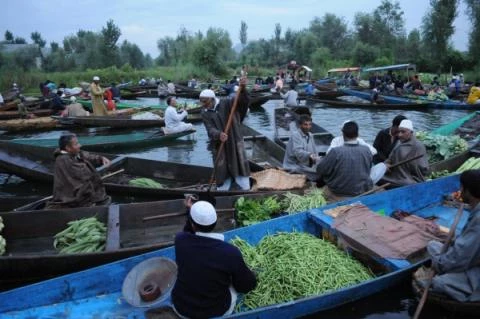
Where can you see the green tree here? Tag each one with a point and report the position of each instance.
(9, 36)
(20, 40)
(213, 51)
(332, 32)
(37, 39)
(130, 53)
(277, 32)
(365, 54)
(243, 33)
(437, 28)
(109, 49)
(473, 12)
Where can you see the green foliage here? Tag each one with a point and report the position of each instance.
(37, 39)
(365, 54)
(9, 36)
(243, 33)
(441, 147)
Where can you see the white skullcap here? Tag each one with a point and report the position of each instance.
(14, 84)
(203, 213)
(96, 78)
(345, 122)
(73, 99)
(207, 93)
(235, 88)
(406, 124)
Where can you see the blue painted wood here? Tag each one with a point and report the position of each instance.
(451, 104)
(96, 292)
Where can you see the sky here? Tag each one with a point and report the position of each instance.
(143, 22)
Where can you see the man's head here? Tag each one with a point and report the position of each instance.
(207, 98)
(405, 130)
(69, 143)
(203, 216)
(96, 79)
(470, 186)
(171, 100)
(395, 123)
(292, 86)
(350, 130)
(305, 123)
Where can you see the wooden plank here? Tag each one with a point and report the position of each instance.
(113, 228)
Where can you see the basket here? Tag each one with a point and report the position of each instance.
(274, 179)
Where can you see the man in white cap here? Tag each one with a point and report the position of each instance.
(406, 148)
(75, 109)
(232, 162)
(210, 271)
(96, 91)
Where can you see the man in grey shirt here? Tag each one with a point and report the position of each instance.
(346, 169)
(300, 155)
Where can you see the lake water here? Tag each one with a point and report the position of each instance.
(396, 303)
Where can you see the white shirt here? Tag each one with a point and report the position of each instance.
(1, 98)
(338, 141)
(171, 88)
(172, 118)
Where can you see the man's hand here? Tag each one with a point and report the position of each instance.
(106, 161)
(243, 83)
(223, 137)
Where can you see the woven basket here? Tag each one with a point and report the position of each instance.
(274, 179)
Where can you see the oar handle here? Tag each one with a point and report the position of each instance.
(450, 236)
(408, 160)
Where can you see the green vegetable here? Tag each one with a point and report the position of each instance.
(471, 163)
(441, 147)
(295, 265)
(252, 211)
(81, 236)
(145, 182)
(299, 203)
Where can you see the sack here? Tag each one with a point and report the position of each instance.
(274, 179)
(146, 116)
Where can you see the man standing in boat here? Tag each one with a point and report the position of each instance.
(407, 148)
(232, 162)
(210, 271)
(291, 97)
(96, 93)
(301, 156)
(458, 269)
(76, 183)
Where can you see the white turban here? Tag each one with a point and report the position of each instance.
(96, 78)
(207, 93)
(203, 213)
(406, 124)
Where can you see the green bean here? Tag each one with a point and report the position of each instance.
(295, 265)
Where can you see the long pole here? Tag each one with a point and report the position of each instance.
(226, 130)
(451, 234)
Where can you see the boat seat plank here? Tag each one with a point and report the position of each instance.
(254, 137)
(113, 228)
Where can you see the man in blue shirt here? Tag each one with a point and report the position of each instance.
(210, 271)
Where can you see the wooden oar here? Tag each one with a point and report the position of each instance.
(373, 190)
(155, 217)
(103, 177)
(406, 161)
(222, 144)
(445, 246)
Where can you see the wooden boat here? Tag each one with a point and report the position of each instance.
(367, 104)
(439, 300)
(36, 163)
(123, 105)
(108, 121)
(33, 124)
(451, 104)
(110, 142)
(31, 256)
(98, 291)
(285, 122)
(258, 99)
(8, 115)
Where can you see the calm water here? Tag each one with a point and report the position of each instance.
(397, 303)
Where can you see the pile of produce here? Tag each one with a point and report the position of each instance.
(144, 182)
(85, 235)
(3, 243)
(252, 211)
(441, 147)
(294, 203)
(471, 163)
(295, 265)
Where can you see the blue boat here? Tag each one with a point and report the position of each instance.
(97, 292)
(451, 104)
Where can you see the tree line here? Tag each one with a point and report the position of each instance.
(375, 38)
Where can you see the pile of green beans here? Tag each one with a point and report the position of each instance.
(295, 265)
(298, 203)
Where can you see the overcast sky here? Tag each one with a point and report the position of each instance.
(145, 21)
